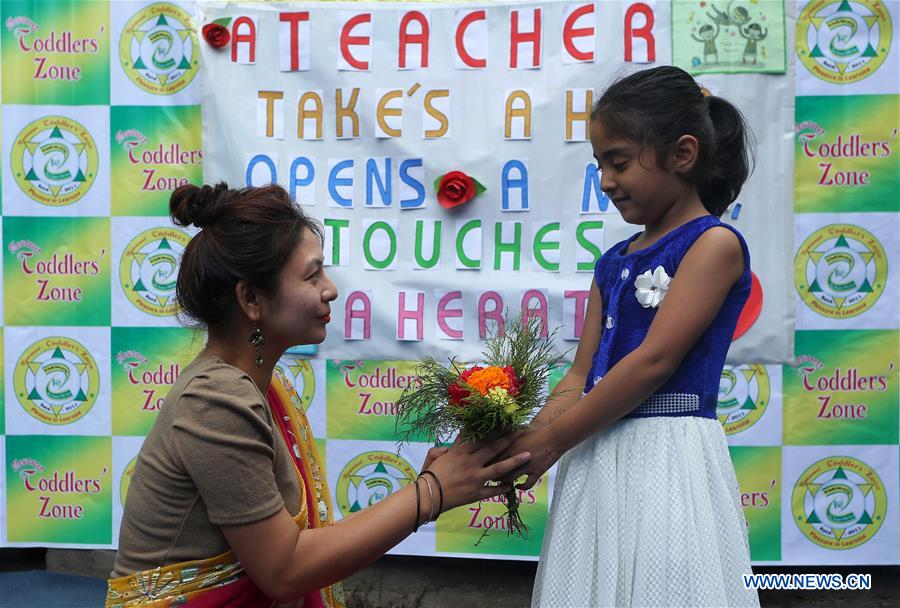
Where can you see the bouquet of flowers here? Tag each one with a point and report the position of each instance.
(482, 401)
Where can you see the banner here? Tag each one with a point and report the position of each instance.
(502, 92)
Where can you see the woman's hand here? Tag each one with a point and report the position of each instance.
(544, 453)
(464, 469)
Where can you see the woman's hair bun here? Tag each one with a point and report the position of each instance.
(192, 205)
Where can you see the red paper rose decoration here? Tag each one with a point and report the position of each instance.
(456, 188)
(216, 34)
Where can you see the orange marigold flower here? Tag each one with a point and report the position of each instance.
(485, 379)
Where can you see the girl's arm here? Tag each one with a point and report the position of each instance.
(568, 391)
(285, 563)
(706, 274)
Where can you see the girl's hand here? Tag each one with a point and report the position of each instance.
(465, 468)
(544, 454)
(433, 455)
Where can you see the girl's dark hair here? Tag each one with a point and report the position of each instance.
(657, 106)
(247, 234)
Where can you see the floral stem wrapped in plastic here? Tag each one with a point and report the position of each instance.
(499, 396)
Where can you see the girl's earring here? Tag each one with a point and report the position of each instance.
(257, 340)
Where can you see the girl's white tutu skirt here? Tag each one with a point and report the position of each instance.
(647, 513)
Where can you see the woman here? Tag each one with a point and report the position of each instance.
(228, 505)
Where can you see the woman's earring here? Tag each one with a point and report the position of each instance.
(257, 340)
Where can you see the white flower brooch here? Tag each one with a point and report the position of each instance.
(651, 287)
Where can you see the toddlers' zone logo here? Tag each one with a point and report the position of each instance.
(370, 478)
(833, 154)
(158, 49)
(840, 271)
(155, 381)
(56, 380)
(55, 491)
(59, 43)
(54, 160)
(299, 373)
(839, 503)
(155, 162)
(148, 270)
(47, 273)
(842, 42)
(744, 393)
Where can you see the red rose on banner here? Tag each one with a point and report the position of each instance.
(216, 34)
(456, 188)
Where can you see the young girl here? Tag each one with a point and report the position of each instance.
(646, 509)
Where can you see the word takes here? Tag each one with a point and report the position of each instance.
(314, 110)
(446, 313)
(388, 110)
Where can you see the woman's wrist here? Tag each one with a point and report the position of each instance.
(439, 491)
(427, 502)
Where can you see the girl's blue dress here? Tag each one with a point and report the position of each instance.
(648, 512)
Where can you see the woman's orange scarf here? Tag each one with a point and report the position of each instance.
(220, 581)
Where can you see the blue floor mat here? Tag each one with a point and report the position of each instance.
(41, 589)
